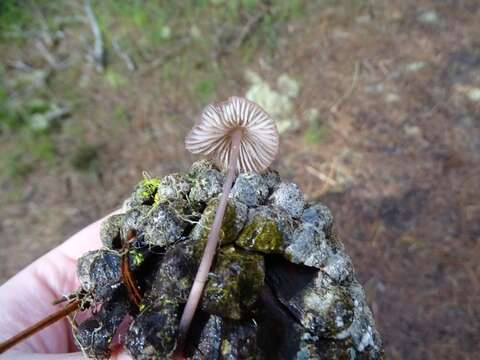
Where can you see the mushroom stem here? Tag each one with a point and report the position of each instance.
(212, 242)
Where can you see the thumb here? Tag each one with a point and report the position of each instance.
(16, 355)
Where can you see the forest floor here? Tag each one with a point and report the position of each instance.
(378, 103)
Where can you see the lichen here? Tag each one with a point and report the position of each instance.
(308, 247)
(327, 308)
(301, 304)
(134, 219)
(250, 189)
(289, 197)
(110, 231)
(163, 226)
(261, 235)
(206, 184)
(200, 166)
(173, 189)
(278, 103)
(152, 335)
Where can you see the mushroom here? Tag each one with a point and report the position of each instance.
(241, 137)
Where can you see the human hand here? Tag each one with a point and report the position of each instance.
(27, 298)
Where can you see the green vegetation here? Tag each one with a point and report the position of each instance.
(227, 231)
(261, 235)
(185, 44)
(239, 276)
(13, 17)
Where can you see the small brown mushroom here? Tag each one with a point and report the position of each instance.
(213, 134)
(240, 136)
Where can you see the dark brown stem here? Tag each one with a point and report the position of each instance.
(210, 249)
(127, 276)
(49, 320)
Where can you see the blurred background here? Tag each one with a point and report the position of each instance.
(377, 103)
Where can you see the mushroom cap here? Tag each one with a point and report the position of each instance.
(211, 135)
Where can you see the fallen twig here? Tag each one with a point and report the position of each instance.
(127, 276)
(247, 30)
(98, 49)
(180, 45)
(49, 320)
(20, 65)
(323, 177)
(123, 55)
(334, 108)
(48, 56)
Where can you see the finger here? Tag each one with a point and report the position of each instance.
(85, 240)
(15, 355)
(27, 297)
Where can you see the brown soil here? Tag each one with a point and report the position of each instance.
(398, 162)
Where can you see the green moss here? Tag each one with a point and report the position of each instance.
(136, 257)
(227, 231)
(146, 190)
(233, 287)
(226, 348)
(261, 235)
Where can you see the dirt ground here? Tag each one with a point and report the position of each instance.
(384, 128)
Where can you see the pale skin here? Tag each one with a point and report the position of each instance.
(27, 297)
